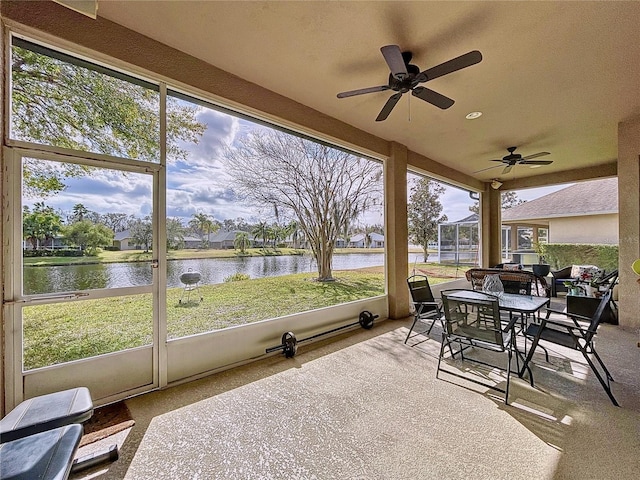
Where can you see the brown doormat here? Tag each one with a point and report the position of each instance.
(107, 421)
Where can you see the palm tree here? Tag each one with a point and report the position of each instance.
(241, 242)
(261, 230)
(293, 230)
(79, 212)
(204, 225)
(277, 233)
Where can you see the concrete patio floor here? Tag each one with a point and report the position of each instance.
(366, 406)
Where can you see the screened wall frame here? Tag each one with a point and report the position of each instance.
(315, 319)
(15, 300)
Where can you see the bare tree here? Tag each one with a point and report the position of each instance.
(425, 212)
(319, 186)
(141, 232)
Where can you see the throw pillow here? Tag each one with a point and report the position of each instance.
(578, 270)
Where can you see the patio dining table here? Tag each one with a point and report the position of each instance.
(525, 305)
(511, 302)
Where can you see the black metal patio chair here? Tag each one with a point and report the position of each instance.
(576, 336)
(472, 319)
(427, 308)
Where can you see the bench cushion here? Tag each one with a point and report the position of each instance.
(46, 412)
(43, 456)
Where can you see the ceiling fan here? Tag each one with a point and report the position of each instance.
(516, 159)
(405, 77)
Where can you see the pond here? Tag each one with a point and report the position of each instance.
(67, 278)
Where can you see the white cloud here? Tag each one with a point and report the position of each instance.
(103, 191)
(221, 131)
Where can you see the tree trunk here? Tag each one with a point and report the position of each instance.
(324, 266)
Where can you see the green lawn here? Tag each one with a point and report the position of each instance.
(68, 331)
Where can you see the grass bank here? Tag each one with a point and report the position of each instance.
(68, 331)
(125, 256)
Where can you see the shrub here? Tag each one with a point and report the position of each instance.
(237, 277)
(61, 252)
(560, 255)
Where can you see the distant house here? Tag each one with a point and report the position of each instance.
(57, 242)
(223, 239)
(300, 241)
(123, 241)
(357, 241)
(376, 240)
(586, 212)
(192, 242)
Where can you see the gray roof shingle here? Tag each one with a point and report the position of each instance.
(585, 198)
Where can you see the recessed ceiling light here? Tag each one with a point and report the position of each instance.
(472, 115)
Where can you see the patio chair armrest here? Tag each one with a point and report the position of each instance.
(568, 314)
(511, 324)
(562, 273)
(583, 331)
(573, 316)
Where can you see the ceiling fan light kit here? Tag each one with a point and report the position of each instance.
(405, 77)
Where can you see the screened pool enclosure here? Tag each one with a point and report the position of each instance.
(458, 242)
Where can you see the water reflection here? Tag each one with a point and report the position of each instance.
(67, 278)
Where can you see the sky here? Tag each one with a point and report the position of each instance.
(199, 184)
(456, 201)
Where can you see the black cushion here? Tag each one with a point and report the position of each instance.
(46, 412)
(43, 456)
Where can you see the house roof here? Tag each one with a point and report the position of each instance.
(473, 218)
(374, 236)
(595, 197)
(119, 236)
(223, 236)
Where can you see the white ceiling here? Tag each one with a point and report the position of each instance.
(555, 76)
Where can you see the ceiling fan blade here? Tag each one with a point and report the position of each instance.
(386, 110)
(536, 162)
(458, 63)
(488, 168)
(507, 169)
(393, 56)
(434, 98)
(362, 91)
(535, 155)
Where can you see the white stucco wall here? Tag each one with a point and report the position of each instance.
(586, 229)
